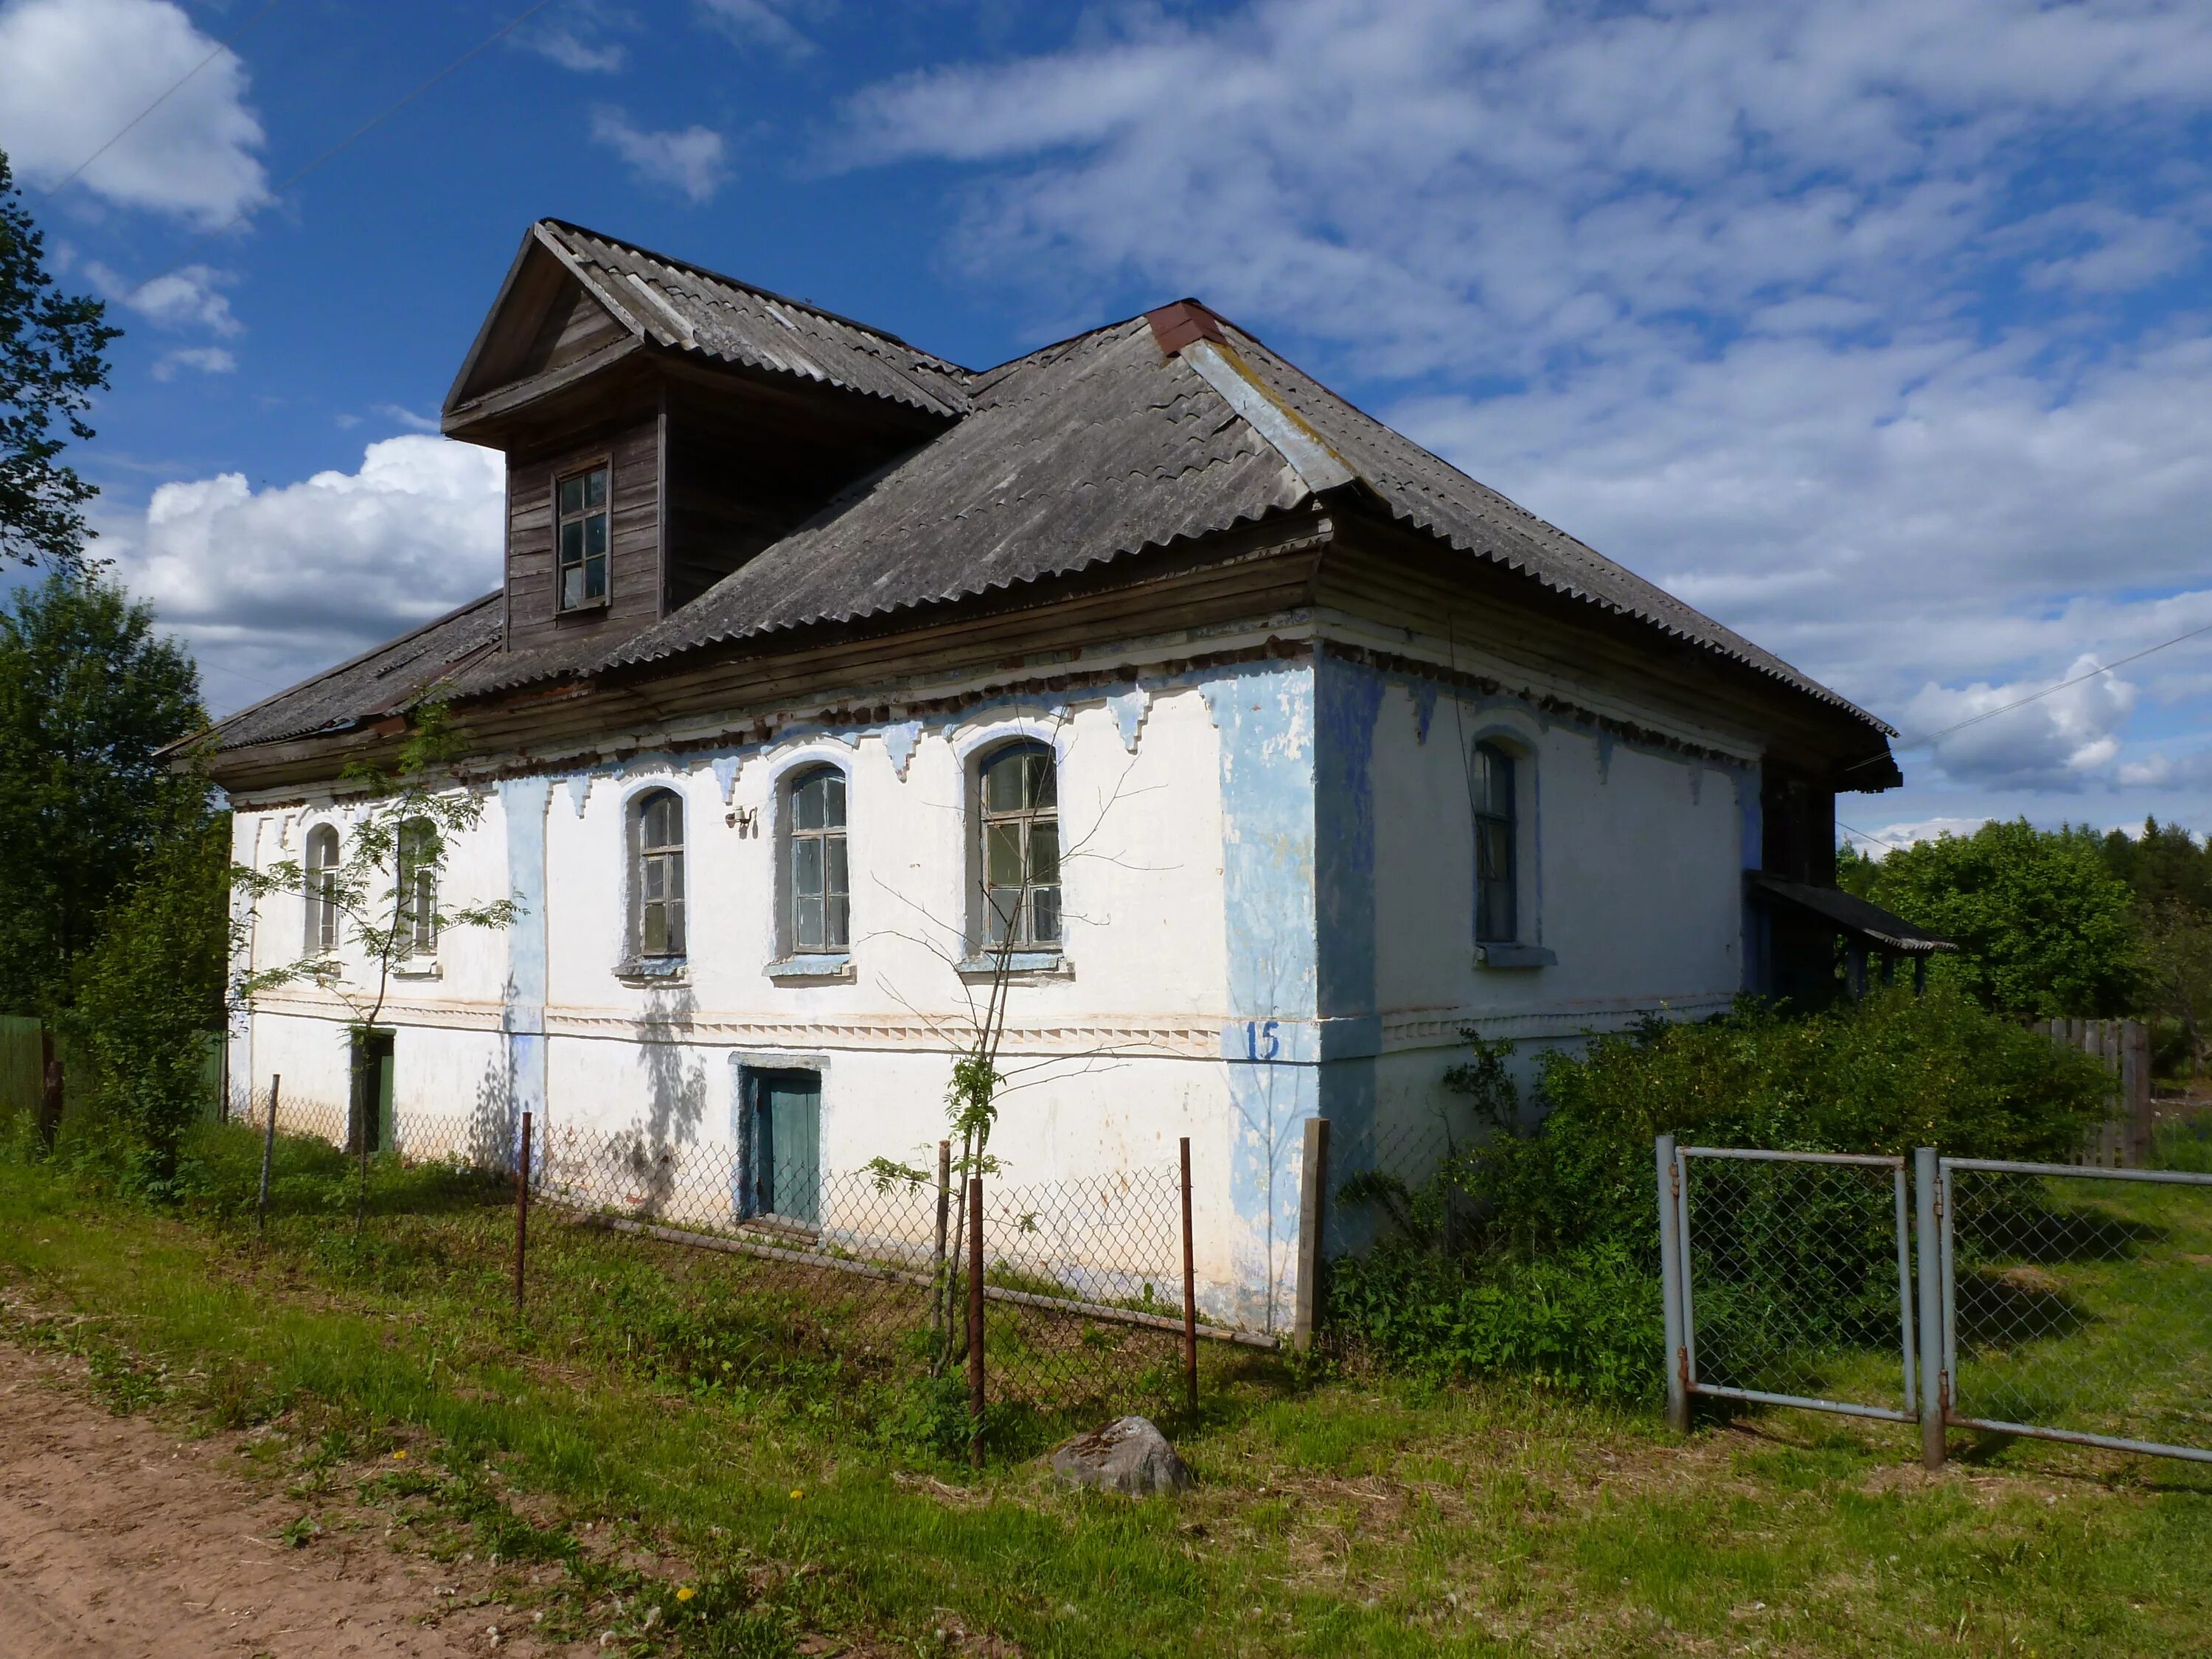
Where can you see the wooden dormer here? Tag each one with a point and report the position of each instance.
(692, 420)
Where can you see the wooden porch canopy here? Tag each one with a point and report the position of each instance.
(1864, 924)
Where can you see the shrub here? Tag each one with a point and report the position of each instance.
(149, 993)
(1555, 1274)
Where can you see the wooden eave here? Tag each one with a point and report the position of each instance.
(1262, 571)
(1380, 568)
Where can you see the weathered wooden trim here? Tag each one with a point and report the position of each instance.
(517, 394)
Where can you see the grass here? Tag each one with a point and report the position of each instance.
(650, 1395)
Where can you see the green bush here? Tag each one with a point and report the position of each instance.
(1552, 1268)
(149, 992)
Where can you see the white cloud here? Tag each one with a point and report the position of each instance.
(208, 360)
(2053, 743)
(188, 297)
(1811, 313)
(407, 418)
(77, 72)
(1877, 841)
(270, 585)
(689, 161)
(574, 37)
(758, 23)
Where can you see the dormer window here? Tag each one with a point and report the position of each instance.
(582, 533)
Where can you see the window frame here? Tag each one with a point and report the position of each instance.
(1491, 757)
(1023, 938)
(836, 901)
(418, 884)
(561, 519)
(319, 932)
(665, 859)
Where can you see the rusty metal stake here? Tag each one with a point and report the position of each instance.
(53, 1091)
(1189, 1295)
(975, 1319)
(522, 1208)
(268, 1151)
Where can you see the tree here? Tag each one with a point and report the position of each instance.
(388, 891)
(89, 696)
(53, 357)
(2164, 866)
(149, 992)
(2044, 928)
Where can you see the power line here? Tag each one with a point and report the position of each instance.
(221, 47)
(350, 139)
(2021, 702)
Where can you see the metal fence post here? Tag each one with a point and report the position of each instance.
(1670, 1285)
(975, 1319)
(1313, 1214)
(1189, 1294)
(1929, 1201)
(268, 1151)
(522, 1208)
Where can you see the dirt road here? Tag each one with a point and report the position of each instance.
(118, 1541)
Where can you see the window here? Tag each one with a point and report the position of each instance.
(660, 875)
(821, 912)
(582, 527)
(419, 848)
(1495, 921)
(1021, 847)
(319, 884)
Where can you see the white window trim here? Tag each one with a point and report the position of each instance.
(786, 962)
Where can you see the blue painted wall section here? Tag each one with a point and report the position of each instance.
(1272, 1043)
(1751, 816)
(522, 805)
(1347, 702)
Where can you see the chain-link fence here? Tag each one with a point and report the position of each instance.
(1084, 1283)
(2077, 1303)
(1789, 1277)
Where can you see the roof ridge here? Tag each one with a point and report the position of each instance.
(770, 294)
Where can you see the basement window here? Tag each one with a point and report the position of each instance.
(581, 531)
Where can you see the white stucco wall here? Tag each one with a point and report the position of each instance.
(1268, 902)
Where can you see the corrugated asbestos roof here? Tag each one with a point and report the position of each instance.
(688, 308)
(1078, 454)
(1087, 452)
(374, 683)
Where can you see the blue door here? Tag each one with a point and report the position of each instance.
(787, 1135)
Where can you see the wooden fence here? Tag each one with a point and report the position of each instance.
(2123, 1140)
(22, 1068)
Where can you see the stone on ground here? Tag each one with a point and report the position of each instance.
(1129, 1456)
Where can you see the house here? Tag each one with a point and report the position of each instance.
(1270, 751)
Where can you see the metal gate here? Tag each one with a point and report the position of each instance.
(2075, 1304)
(1787, 1276)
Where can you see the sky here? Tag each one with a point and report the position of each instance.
(1879, 330)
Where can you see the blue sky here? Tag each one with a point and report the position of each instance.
(1878, 330)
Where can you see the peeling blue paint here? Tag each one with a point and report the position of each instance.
(1265, 716)
(580, 791)
(1128, 712)
(726, 774)
(1424, 709)
(899, 743)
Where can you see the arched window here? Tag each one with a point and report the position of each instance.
(658, 883)
(318, 880)
(1495, 920)
(419, 848)
(821, 910)
(1020, 794)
